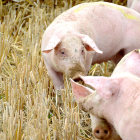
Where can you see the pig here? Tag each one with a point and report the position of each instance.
(86, 34)
(102, 129)
(116, 99)
(134, 4)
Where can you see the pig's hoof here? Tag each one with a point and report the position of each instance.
(102, 132)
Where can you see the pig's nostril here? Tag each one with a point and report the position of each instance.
(105, 131)
(102, 132)
(98, 131)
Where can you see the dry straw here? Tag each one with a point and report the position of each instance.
(29, 107)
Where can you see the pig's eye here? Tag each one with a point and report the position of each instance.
(83, 51)
(62, 52)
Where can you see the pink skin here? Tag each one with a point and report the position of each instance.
(101, 128)
(116, 98)
(134, 4)
(129, 63)
(82, 33)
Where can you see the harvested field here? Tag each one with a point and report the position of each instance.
(29, 107)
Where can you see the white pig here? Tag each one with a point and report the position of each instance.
(77, 38)
(134, 4)
(102, 130)
(116, 98)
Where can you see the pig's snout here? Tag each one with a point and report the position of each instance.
(102, 132)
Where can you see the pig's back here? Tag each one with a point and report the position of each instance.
(99, 9)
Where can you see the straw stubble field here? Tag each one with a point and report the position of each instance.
(29, 107)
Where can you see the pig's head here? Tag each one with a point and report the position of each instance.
(129, 63)
(69, 52)
(89, 101)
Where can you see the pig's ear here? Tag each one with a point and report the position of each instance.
(90, 45)
(53, 42)
(80, 90)
(105, 86)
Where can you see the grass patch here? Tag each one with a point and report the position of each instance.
(29, 107)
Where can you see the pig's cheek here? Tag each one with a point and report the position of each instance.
(82, 101)
(84, 104)
(61, 64)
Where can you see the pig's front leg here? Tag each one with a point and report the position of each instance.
(57, 78)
